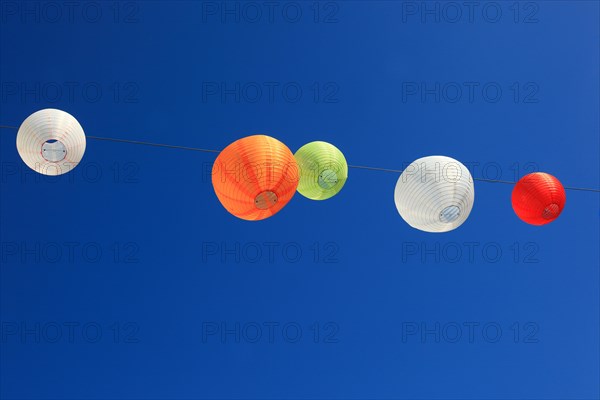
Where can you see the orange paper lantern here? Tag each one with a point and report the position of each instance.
(255, 177)
(538, 198)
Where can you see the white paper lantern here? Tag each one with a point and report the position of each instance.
(435, 194)
(51, 142)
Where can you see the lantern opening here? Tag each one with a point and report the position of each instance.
(54, 150)
(327, 179)
(551, 211)
(265, 200)
(449, 214)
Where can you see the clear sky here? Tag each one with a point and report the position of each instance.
(127, 279)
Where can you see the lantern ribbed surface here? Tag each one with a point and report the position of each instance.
(255, 177)
(538, 198)
(435, 194)
(51, 142)
(323, 170)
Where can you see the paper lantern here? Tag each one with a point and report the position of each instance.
(255, 177)
(538, 198)
(323, 170)
(51, 142)
(435, 194)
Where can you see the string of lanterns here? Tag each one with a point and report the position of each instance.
(256, 176)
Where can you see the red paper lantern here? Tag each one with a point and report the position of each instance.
(538, 198)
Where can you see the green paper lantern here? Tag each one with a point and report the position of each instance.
(323, 170)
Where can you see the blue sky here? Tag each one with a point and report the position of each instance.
(127, 279)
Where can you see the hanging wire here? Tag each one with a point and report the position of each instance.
(168, 146)
(368, 168)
